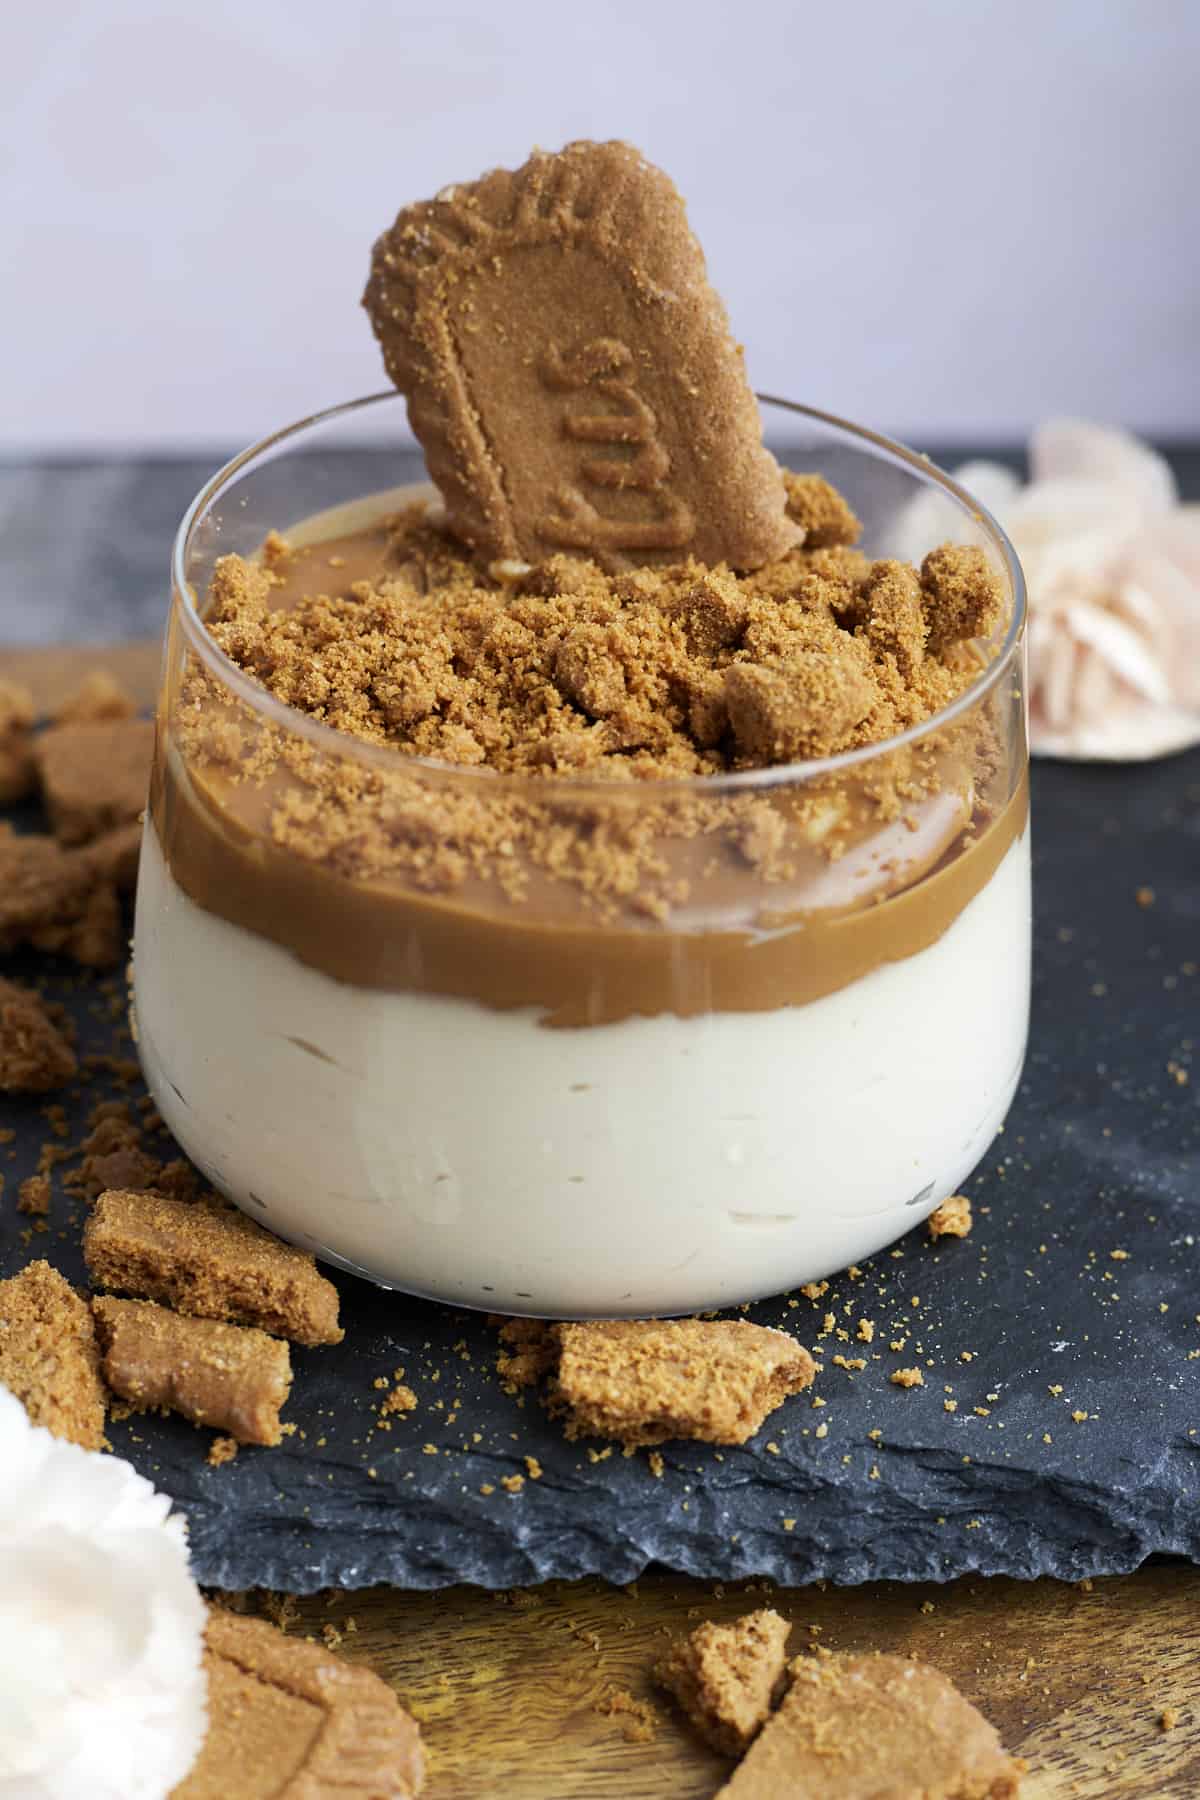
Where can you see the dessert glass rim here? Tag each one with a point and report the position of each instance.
(341, 743)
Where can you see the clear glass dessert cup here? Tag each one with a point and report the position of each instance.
(667, 1045)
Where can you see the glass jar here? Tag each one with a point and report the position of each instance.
(569, 1046)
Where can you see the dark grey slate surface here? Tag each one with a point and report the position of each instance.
(1102, 1152)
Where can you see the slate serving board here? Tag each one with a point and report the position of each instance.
(1101, 1153)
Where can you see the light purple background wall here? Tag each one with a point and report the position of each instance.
(943, 217)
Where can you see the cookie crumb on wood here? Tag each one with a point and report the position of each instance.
(49, 1357)
(231, 1377)
(952, 1218)
(638, 1718)
(852, 1726)
(725, 1676)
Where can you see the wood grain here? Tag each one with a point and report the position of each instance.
(506, 1686)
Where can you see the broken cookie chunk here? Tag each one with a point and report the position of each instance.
(62, 901)
(646, 1381)
(210, 1261)
(963, 595)
(228, 1376)
(35, 1055)
(319, 1725)
(48, 1355)
(874, 1728)
(809, 707)
(725, 1677)
(94, 774)
(827, 519)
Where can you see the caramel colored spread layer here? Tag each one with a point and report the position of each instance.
(517, 832)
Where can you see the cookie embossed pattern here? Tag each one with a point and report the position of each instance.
(575, 274)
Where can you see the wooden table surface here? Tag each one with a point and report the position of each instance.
(509, 1687)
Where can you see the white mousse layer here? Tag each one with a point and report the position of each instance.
(654, 1166)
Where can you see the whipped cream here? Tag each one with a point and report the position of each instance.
(102, 1688)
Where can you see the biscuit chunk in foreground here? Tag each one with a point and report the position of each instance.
(874, 1728)
(229, 1377)
(210, 1261)
(725, 1676)
(48, 1355)
(646, 1381)
(569, 370)
(300, 1721)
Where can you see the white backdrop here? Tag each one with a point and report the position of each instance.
(943, 217)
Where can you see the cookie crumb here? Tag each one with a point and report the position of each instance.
(907, 1378)
(825, 517)
(401, 1399)
(35, 1053)
(639, 1720)
(952, 1218)
(725, 1677)
(33, 1195)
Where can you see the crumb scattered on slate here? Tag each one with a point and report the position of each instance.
(907, 1378)
(952, 1218)
(35, 1050)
